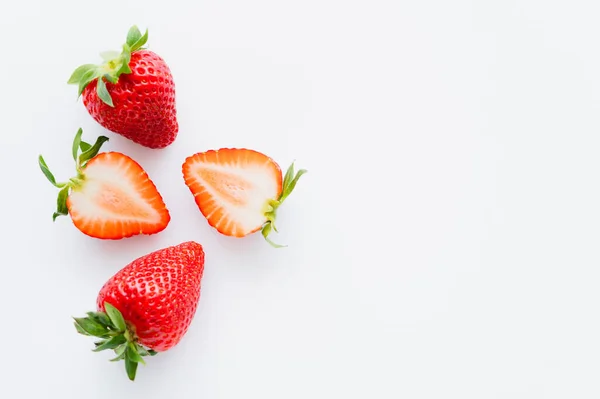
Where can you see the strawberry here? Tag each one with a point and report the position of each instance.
(238, 190)
(111, 197)
(132, 93)
(147, 306)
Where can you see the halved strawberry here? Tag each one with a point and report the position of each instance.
(111, 197)
(238, 190)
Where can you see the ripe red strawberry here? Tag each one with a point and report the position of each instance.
(131, 93)
(147, 306)
(238, 190)
(111, 197)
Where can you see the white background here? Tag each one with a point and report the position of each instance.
(444, 243)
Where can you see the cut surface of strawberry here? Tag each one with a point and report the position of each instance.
(238, 190)
(111, 197)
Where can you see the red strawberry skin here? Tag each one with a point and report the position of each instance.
(144, 108)
(158, 294)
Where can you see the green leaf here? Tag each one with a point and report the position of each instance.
(120, 352)
(133, 35)
(126, 60)
(132, 353)
(84, 146)
(131, 368)
(140, 42)
(80, 72)
(111, 78)
(92, 327)
(115, 316)
(81, 330)
(289, 175)
(120, 356)
(144, 351)
(76, 143)
(85, 80)
(103, 92)
(109, 55)
(287, 190)
(111, 343)
(101, 318)
(141, 350)
(93, 150)
(61, 202)
(47, 172)
(266, 230)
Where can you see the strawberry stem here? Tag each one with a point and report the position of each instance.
(115, 64)
(289, 183)
(88, 152)
(115, 334)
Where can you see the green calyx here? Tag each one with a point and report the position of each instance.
(289, 183)
(82, 153)
(115, 334)
(114, 65)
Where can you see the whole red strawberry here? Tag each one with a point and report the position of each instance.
(148, 305)
(132, 93)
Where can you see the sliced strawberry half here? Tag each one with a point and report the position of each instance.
(111, 197)
(238, 190)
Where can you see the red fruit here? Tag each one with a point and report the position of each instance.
(132, 93)
(147, 306)
(238, 190)
(111, 197)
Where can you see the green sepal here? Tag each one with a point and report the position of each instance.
(91, 327)
(120, 352)
(61, 203)
(120, 356)
(116, 318)
(85, 80)
(103, 93)
(109, 55)
(115, 335)
(84, 146)
(135, 39)
(133, 353)
(48, 174)
(92, 151)
(81, 159)
(130, 367)
(76, 143)
(266, 230)
(289, 183)
(125, 69)
(100, 317)
(270, 209)
(115, 64)
(80, 330)
(111, 343)
(78, 74)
